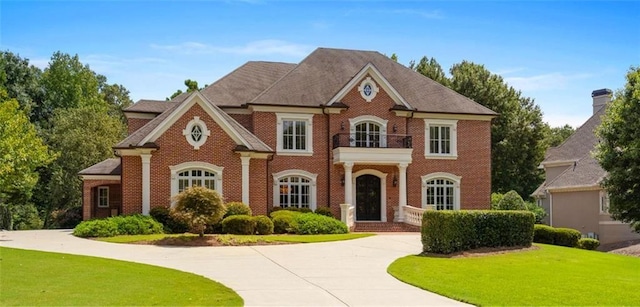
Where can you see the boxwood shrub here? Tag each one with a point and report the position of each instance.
(445, 232)
(588, 243)
(566, 237)
(118, 225)
(324, 211)
(239, 225)
(543, 234)
(237, 208)
(311, 223)
(264, 225)
(283, 221)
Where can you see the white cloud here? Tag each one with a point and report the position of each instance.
(506, 71)
(434, 14)
(545, 81)
(261, 47)
(41, 63)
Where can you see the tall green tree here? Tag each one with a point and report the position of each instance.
(192, 85)
(619, 151)
(22, 82)
(518, 134)
(84, 136)
(557, 135)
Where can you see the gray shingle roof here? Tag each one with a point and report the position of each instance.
(585, 172)
(245, 83)
(325, 72)
(106, 167)
(150, 106)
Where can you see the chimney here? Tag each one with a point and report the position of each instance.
(600, 98)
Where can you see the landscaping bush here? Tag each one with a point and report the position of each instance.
(264, 225)
(294, 209)
(445, 232)
(511, 201)
(326, 211)
(495, 199)
(237, 208)
(25, 217)
(239, 225)
(160, 214)
(543, 234)
(283, 221)
(588, 243)
(311, 224)
(537, 211)
(173, 222)
(566, 237)
(96, 228)
(118, 225)
(200, 207)
(66, 218)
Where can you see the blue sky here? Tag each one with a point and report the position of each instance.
(556, 52)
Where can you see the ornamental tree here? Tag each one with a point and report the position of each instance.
(201, 207)
(619, 151)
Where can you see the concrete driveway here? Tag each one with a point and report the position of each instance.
(345, 273)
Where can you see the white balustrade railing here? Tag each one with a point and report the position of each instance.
(413, 215)
(347, 215)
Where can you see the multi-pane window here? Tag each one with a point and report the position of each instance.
(103, 197)
(294, 135)
(440, 139)
(196, 177)
(367, 135)
(604, 202)
(294, 192)
(441, 194)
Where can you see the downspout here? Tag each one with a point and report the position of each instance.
(269, 191)
(328, 158)
(550, 209)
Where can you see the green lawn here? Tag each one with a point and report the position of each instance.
(33, 278)
(239, 240)
(551, 275)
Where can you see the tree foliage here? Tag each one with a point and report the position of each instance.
(22, 82)
(201, 206)
(557, 135)
(511, 201)
(518, 140)
(192, 85)
(619, 151)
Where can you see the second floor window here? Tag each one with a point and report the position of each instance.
(294, 135)
(440, 140)
(367, 135)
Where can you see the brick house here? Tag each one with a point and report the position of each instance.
(341, 127)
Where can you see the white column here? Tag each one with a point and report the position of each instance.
(245, 179)
(146, 183)
(348, 192)
(402, 189)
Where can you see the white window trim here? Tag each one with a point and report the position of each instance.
(604, 197)
(279, 134)
(176, 169)
(374, 89)
(441, 175)
(205, 132)
(98, 204)
(428, 122)
(353, 122)
(313, 178)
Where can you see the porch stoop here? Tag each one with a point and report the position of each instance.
(384, 227)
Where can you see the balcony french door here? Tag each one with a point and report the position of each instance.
(367, 135)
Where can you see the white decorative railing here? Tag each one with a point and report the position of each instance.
(413, 215)
(346, 215)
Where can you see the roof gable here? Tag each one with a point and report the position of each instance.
(372, 71)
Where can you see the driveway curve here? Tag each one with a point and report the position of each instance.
(344, 273)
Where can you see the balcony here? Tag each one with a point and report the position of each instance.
(372, 149)
(364, 140)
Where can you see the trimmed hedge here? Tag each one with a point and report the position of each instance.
(239, 225)
(446, 232)
(264, 225)
(557, 236)
(324, 211)
(303, 210)
(172, 222)
(311, 224)
(283, 221)
(588, 243)
(237, 208)
(118, 225)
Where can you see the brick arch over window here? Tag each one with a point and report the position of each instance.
(295, 188)
(441, 190)
(203, 171)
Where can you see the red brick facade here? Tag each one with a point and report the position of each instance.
(472, 165)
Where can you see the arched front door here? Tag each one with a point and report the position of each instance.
(368, 198)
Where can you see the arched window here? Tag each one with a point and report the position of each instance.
(368, 131)
(294, 189)
(196, 178)
(191, 174)
(441, 191)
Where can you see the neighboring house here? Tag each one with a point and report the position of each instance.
(341, 127)
(571, 193)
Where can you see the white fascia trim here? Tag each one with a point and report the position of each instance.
(206, 105)
(100, 177)
(576, 188)
(454, 138)
(450, 116)
(285, 109)
(313, 178)
(377, 76)
(456, 180)
(558, 163)
(279, 131)
(133, 151)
